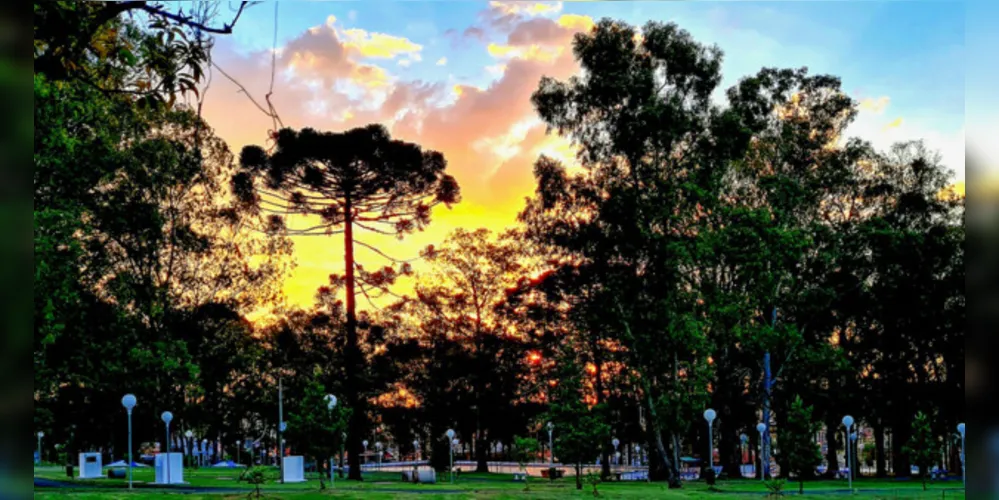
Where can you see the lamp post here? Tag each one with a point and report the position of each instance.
(330, 405)
(378, 448)
(761, 428)
(964, 475)
(167, 417)
(848, 425)
(617, 455)
(416, 450)
(450, 441)
(187, 443)
(365, 445)
(238, 450)
(638, 456)
(129, 401)
(710, 415)
(40, 436)
(551, 448)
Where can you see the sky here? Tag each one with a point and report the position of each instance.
(457, 77)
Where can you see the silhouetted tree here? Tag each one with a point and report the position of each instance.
(361, 179)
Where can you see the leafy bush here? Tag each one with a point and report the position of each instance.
(775, 487)
(593, 479)
(256, 477)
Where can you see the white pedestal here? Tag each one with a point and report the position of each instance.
(90, 466)
(175, 473)
(293, 469)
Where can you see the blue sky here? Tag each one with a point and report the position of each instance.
(912, 52)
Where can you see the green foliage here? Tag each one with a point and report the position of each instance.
(923, 447)
(798, 448)
(313, 429)
(525, 450)
(593, 479)
(255, 476)
(775, 487)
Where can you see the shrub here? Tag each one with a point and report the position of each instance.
(593, 479)
(775, 487)
(256, 477)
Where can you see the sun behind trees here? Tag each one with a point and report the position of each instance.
(363, 180)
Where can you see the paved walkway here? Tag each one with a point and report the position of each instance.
(41, 483)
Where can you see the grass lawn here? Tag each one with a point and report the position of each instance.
(490, 486)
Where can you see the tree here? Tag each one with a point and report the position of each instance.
(580, 430)
(313, 428)
(102, 45)
(655, 151)
(133, 235)
(470, 274)
(923, 447)
(525, 449)
(356, 180)
(797, 442)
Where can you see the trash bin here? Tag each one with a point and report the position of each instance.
(69, 471)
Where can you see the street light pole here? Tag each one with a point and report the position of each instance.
(761, 428)
(710, 415)
(848, 424)
(450, 444)
(167, 417)
(551, 446)
(40, 436)
(330, 405)
(964, 473)
(128, 401)
(617, 454)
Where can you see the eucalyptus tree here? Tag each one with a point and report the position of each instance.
(654, 150)
(341, 183)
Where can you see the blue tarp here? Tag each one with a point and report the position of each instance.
(122, 463)
(228, 464)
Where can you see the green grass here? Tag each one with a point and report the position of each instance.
(489, 486)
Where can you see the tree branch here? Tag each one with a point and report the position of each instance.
(379, 252)
(160, 10)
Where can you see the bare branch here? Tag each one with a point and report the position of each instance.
(379, 252)
(160, 10)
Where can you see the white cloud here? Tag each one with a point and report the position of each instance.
(442, 61)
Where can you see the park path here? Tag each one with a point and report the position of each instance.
(42, 483)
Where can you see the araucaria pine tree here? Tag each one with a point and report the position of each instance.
(797, 442)
(358, 180)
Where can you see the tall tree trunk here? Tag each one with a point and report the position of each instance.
(598, 386)
(672, 474)
(352, 355)
(579, 476)
(481, 456)
(879, 448)
(832, 461)
(900, 461)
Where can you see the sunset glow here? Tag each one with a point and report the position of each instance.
(458, 78)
